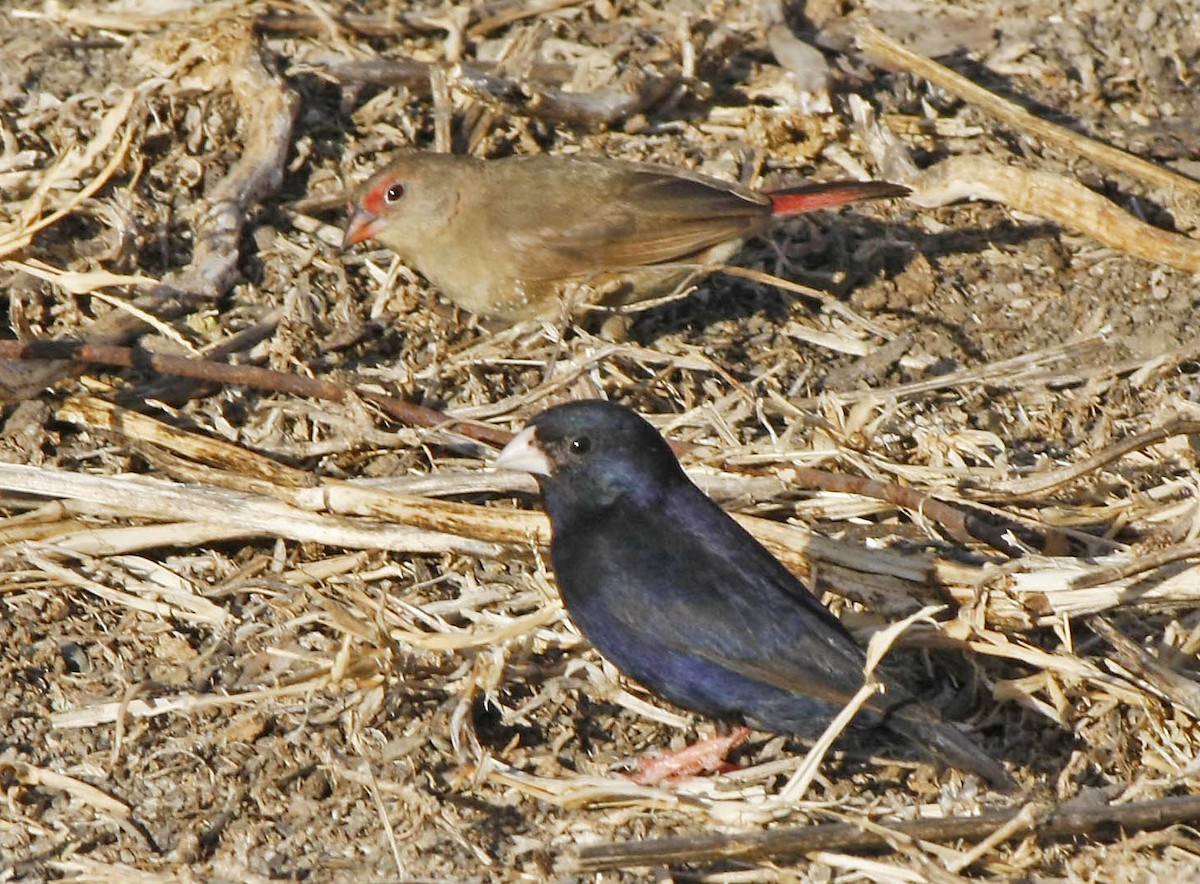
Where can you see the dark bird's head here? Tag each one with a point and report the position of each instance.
(587, 455)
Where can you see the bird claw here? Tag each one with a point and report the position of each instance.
(705, 757)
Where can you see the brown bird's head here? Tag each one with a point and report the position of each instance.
(413, 196)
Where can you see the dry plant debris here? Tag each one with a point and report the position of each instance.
(266, 614)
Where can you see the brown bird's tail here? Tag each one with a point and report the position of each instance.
(947, 744)
(830, 195)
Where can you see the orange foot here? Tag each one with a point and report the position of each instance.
(706, 756)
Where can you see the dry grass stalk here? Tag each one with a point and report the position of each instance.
(791, 841)
(157, 499)
(88, 795)
(1045, 194)
(891, 53)
(1065, 201)
(203, 620)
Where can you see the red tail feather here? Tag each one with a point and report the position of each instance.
(830, 195)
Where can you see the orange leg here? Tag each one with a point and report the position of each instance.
(706, 756)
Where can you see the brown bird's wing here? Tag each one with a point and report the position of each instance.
(636, 215)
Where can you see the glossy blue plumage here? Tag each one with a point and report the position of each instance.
(681, 598)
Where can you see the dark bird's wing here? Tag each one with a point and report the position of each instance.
(687, 581)
(686, 601)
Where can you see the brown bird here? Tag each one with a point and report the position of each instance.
(508, 239)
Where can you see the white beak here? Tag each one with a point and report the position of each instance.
(524, 454)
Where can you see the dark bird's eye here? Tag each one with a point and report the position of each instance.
(580, 445)
(394, 193)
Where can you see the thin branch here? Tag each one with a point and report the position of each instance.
(246, 376)
(1057, 197)
(1179, 690)
(1139, 565)
(529, 96)
(889, 53)
(1023, 488)
(961, 525)
(268, 110)
(1058, 822)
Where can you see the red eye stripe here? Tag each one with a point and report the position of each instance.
(375, 201)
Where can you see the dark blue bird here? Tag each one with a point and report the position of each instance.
(684, 600)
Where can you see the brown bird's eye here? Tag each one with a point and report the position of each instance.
(394, 193)
(580, 445)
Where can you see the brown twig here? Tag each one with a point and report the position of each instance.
(363, 25)
(889, 53)
(1140, 565)
(1051, 823)
(600, 109)
(406, 72)
(269, 111)
(1179, 690)
(244, 375)
(960, 524)
(1023, 488)
(176, 391)
(493, 16)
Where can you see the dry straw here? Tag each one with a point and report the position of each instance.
(231, 614)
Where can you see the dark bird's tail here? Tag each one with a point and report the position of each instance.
(947, 744)
(830, 195)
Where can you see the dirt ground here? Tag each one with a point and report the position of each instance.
(250, 634)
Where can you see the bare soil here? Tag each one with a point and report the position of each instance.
(185, 697)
